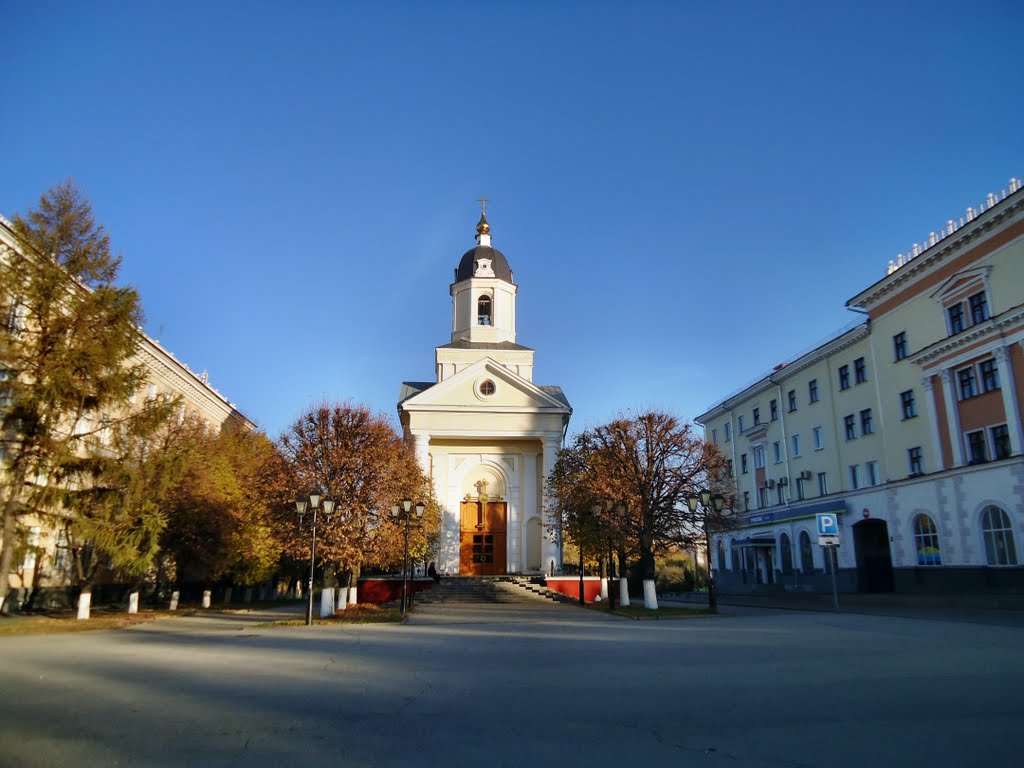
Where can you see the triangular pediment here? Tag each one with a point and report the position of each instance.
(961, 281)
(486, 385)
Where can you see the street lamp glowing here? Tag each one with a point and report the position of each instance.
(300, 505)
(314, 500)
(328, 505)
(420, 507)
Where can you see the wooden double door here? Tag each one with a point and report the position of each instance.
(482, 538)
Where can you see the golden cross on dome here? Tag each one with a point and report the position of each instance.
(483, 204)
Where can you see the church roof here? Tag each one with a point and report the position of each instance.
(463, 344)
(555, 392)
(413, 388)
(499, 263)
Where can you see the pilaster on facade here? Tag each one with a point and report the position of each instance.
(1011, 406)
(549, 548)
(952, 416)
(933, 422)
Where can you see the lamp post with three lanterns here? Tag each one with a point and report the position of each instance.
(707, 500)
(301, 505)
(406, 511)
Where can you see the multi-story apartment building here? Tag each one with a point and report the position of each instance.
(47, 557)
(907, 425)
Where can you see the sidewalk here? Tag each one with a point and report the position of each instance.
(981, 608)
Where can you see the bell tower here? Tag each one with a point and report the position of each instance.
(483, 310)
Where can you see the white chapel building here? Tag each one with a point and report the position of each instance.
(485, 434)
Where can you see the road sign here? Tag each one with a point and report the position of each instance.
(828, 541)
(828, 524)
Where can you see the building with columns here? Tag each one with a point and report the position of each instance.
(485, 434)
(907, 425)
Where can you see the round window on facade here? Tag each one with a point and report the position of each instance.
(487, 388)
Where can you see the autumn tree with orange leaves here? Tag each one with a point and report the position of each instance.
(358, 458)
(626, 482)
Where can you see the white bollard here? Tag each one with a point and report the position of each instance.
(342, 603)
(84, 603)
(175, 596)
(650, 596)
(353, 595)
(133, 602)
(326, 602)
(207, 594)
(623, 592)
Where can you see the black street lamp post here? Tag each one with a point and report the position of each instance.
(300, 507)
(406, 511)
(707, 500)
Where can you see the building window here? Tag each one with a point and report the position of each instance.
(976, 453)
(780, 492)
(757, 416)
(800, 490)
(1000, 442)
(844, 377)
(850, 425)
(796, 445)
(872, 467)
(759, 457)
(956, 319)
(786, 552)
(907, 404)
(989, 376)
(483, 310)
(728, 432)
(916, 461)
(777, 451)
(823, 484)
(773, 410)
(762, 497)
(866, 427)
(860, 371)
(812, 390)
(739, 423)
(151, 392)
(968, 385)
(743, 463)
(806, 553)
(28, 565)
(854, 477)
(746, 501)
(899, 345)
(998, 535)
(62, 556)
(714, 437)
(791, 400)
(979, 308)
(926, 540)
(728, 467)
(819, 440)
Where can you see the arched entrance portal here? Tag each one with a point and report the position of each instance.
(874, 560)
(483, 523)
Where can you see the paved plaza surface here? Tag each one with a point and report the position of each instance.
(524, 684)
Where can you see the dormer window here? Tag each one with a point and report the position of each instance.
(483, 311)
(964, 299)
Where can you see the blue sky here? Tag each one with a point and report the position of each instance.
(688, 192)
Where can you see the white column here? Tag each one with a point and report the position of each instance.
(529, 501)
(956, 440)
(933, 421)
(549, 542)
(1011, 407)
(421, 448)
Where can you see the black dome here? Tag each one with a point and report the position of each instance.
(499, 263)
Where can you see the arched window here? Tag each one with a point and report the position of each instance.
(735, 557)
(806, 553)
(786, 553)
(998, 535)
(483, 310)
(926, 539)
(721, 555)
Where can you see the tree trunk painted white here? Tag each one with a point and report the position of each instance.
(227, 595)
(133, 602)
(604, 588)
(342, 603)
(326, 602)
(84, 603)
(2, 604)
(623, 592)
(175, 597)
(353, 595)
(207, 596)
(650, 596)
